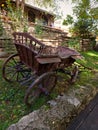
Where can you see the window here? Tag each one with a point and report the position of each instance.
(45, 20)
(31, 16)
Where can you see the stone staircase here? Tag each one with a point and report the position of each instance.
(51, 36)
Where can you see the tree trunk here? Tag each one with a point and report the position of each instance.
(17, 4)
(22, 5)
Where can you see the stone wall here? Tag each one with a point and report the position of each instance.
(49, 35)
(56, 114)
(6, 47)
(86, 44)
(6, 40)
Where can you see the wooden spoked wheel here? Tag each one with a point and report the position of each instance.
(14, 70)
(43, 84)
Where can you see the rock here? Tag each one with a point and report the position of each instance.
(52, 103)
(3, 54)
(74, 101)
(58, 112)
(13, 127)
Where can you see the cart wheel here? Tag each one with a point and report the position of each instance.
(14, 70)
(43, 84)
(74, 74)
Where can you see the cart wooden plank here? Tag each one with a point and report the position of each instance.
(47, 60)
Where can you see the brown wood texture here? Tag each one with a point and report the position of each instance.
(40, 57)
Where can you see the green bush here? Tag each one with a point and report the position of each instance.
(73, 43)
(1, 28)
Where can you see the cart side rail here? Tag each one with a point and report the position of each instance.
(27, 47)
(27, 40)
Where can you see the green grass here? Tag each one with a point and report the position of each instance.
(90, 69)
(12, 106)
(90, 60)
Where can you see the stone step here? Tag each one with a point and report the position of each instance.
(3, 54)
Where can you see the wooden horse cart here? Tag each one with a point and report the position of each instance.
(37, 64)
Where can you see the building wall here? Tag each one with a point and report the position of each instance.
(33, 13)
(39, 16)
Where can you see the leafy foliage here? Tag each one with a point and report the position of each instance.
(74, 43)
(19, 20)
(69, 20)
(39, 28)
(1, 28)
(85, 23)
